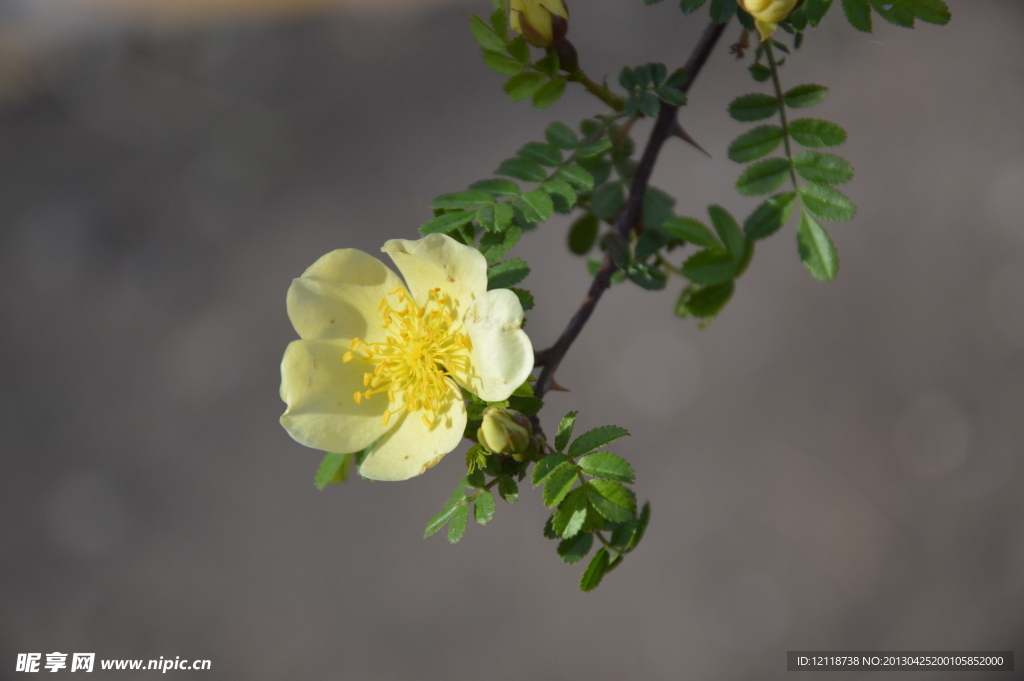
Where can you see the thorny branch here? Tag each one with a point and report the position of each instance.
(664, 127)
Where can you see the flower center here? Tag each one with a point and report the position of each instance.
(423, 346)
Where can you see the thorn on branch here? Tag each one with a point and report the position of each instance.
(679, 132)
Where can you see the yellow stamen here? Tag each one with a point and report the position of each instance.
(422, 348)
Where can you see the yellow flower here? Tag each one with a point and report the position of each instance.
(542, 22)
(380, 363)
(767, 13)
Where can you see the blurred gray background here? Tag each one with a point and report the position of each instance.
(831, 466)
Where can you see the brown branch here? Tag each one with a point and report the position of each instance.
(630, 215)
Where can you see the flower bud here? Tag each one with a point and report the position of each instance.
(542, 22)
(505, 431)
(767, 13)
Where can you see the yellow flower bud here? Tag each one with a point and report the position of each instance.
(504, 431)
(542, 22)
(767, 13)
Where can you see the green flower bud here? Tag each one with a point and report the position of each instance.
(505, 431)
(542, 22)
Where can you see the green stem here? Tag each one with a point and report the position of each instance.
(600, 91)
(669, 266)
(782, 109)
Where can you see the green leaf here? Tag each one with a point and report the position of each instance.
(826, 202)
(473, 198)
(525, 298)
(497, 187)
(574, 549)
(495, 246)
(506, 273)
(564, 433)
(816, 9)
(710, 268)
(894, 12)
(612, 500)
(524, 85)
(544, 154)
(568, 519)
(558, 484)
(594, 149)
(583, 233)
(816, 249)
(498, 20)
(576, 176)
(641, 528)
(548, 65)
(753, 107)
(596, 570)
(476, 457)
(549, 528)
(607, 200)
(704, 302)
(503, 216)
(503, 63)
(597, 437)
(752, 145)
(823, 168)
(646, 276)
(549, 93)
(728, 231)
(858, 13)
(483, 507)
(803, 96)
(441, 519)
(678, 78)
(649, 243)
(658, 73)
(508, 489)
(770, 216)
(722, 10)
(457, 524)
(561, 192)
(763, 177)
(649, 104)
(618, 249)
(447, 222)
(548, 465)
(520, 50)
(932, 11)
(528, 406)
(692, 231)
(690, 6)
(485, 35)
(521, 169)
(642, 74)
(657, 207)
(332, 470)
(561, 136)
(759, 72)
(813, 132)
(671, 96)
(607, 466)
(535, 205)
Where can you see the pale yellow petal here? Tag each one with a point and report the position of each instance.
(339, 295)
(411, 447)
(501, 356)
(439, 261)
(319, 387)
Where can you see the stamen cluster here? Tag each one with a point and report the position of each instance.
(422, 348)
